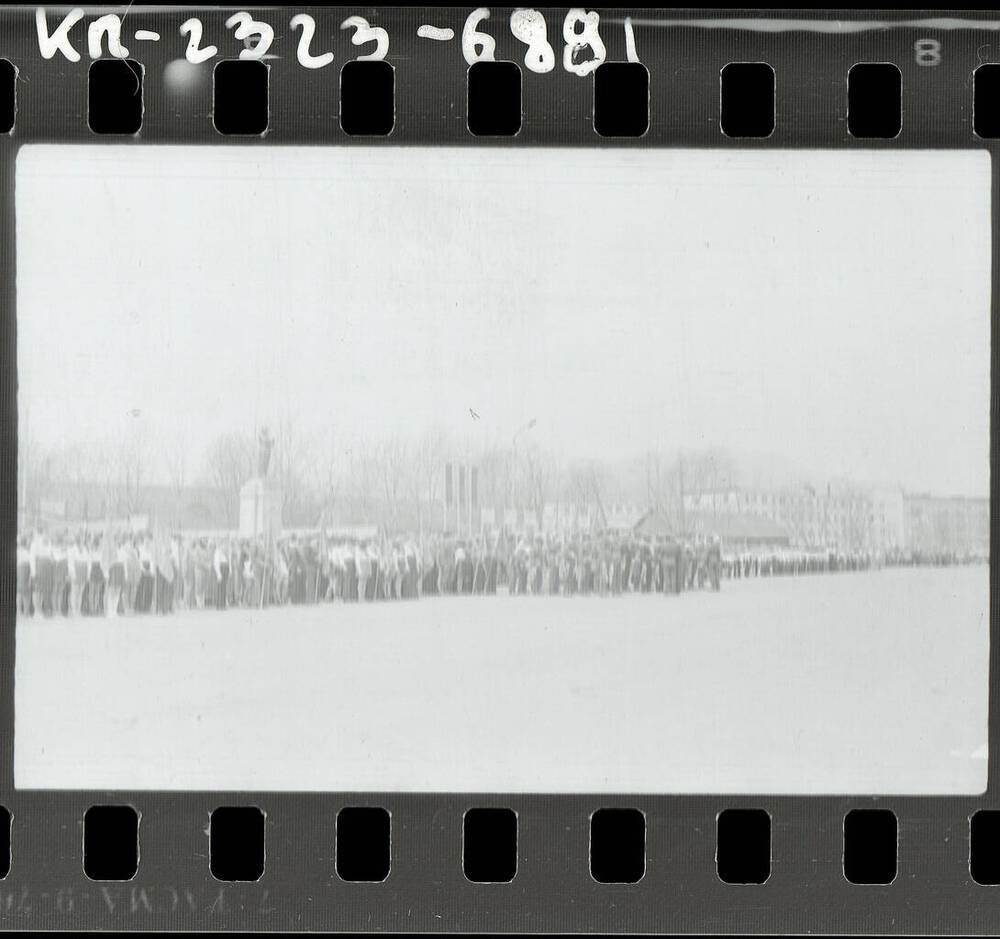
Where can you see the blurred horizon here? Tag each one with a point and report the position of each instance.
(626, 302)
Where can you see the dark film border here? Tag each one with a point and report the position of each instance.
(553, 891)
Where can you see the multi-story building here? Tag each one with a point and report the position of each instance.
(839, 518)
(848, 517)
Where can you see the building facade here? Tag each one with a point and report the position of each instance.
(952, 525)
(847, 517)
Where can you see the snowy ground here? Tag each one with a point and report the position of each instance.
(870, 682)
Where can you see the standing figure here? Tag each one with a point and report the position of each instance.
(165, 574)
(147, 576)
(114, 575)
(95, 582)
(363, 565)
(191, 576)
(41, 560)
(412, 560)
(60, 575)
(247, 577)
(377, 574)
(77, 570)
(491, 570)
(350, 556)
(459, 570)
(280, 565)
(133, 574)
(537, 573)
(714, 561)
(23, 577)
(265, 444)
(220, 564)
(446, 567)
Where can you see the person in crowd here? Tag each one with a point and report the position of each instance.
(133, 574)
(60, 576)
(203, 573)
(147, 576)
(24, 604)
(220, 565)
(41, 572)
(95, 580)
(363, 563)
(76, 566)
(714, 562)
(165, 574)
(113, 569)
(411, 561)
(280, 563)
(248, 576)
(178, 557)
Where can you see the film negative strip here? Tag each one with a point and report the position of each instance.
(499, 470)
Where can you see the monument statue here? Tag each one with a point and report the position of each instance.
(265, 444)
(260, 497)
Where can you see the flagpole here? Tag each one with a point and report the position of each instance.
(468, 491)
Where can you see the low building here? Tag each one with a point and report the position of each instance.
(654, 524)
(947, 524)
(738, 531)
(86, 504)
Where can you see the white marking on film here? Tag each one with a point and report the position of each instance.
(529, 27)
(441, 33)
(577, 42)
(927, 52)
(148, 35)
(110, 25)
(630, 54)
(58, 40)
(365, 32)
(246, 27)
(192, 28)
(305, 57)
(472, 38)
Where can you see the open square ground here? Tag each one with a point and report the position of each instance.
(856, 683)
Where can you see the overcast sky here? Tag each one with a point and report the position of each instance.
(831, 307)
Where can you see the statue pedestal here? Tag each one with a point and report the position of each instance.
(260, 508)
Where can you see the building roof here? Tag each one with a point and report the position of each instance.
(654, 523)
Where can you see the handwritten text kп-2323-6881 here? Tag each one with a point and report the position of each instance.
(582, 47)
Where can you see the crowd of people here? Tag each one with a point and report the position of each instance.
(789, 561)
(111, 573)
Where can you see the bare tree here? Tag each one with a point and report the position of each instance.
(540, 478)
(586, 487)
(229, 462)
(712, 469)
(293, 455)
(392, 460)
(665, 485)
(498, 476)
(176, 459)
(327, 474)
(427, 469)
(362, 469)
(131, 456)
(656, 477)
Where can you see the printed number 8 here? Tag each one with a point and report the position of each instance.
(927, 52)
